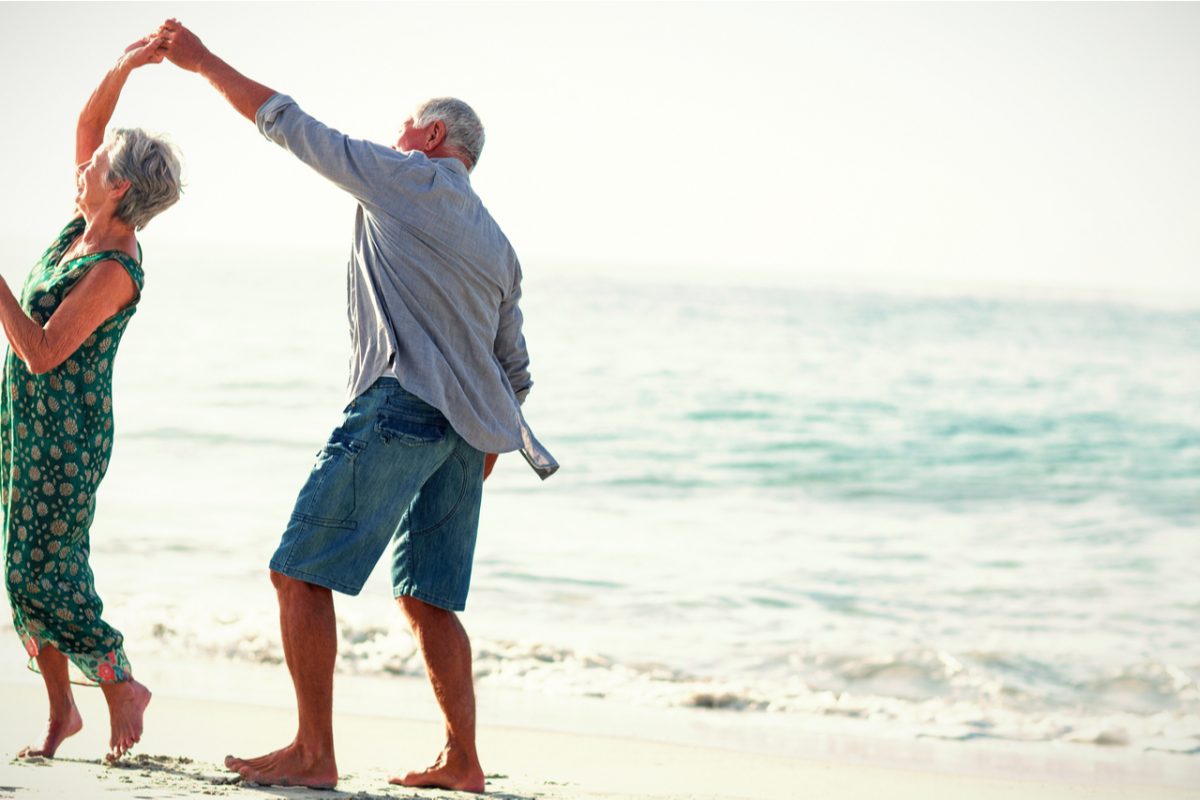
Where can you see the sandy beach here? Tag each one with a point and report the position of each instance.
(187, 737)
(867, 336)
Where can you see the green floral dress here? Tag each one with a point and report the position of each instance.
(57, 432)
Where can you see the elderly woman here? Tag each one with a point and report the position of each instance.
(56, 421)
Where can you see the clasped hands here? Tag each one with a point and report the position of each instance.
(171, 41)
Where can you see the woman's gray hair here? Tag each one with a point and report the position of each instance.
(464, 130)
(151, 165)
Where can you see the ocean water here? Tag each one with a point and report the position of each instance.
(952, 515)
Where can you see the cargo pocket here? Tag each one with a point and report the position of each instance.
(329, 497)
(398, 430)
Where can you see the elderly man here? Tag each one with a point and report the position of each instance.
(439, 370)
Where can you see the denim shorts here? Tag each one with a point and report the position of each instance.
(393, 470)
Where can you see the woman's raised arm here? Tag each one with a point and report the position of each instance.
(98, 110)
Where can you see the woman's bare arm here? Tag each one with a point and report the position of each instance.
(98, 110)
(104, 291)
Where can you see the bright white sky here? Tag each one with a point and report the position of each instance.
(1013, 143)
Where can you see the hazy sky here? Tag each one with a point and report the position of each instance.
(1030, 143)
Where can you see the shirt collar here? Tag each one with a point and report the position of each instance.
(454, 164)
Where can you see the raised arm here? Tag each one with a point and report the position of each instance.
(98, 110)
(186, 51)
(357, 166)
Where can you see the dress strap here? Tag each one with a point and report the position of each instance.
(132, 267)
(68, 234)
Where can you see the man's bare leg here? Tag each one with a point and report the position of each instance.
(127, 703)
(309, 630)
(447, 652)
(64, 716)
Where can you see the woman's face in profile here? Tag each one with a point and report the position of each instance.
(91, 189)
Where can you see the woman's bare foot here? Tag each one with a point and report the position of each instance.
(127, 703)
(290, 766)
(58, 729)
(451, 771)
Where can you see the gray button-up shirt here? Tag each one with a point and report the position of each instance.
(433, 283)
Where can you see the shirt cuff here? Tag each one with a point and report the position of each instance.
(269, 111)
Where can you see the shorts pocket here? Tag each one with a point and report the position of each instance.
(411, 433)
(329, 497)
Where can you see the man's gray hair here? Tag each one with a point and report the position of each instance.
(464, 130)
(151, 165)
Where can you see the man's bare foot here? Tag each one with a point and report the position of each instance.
(58, 729)
(450, 771)
(291, 766)
(127, 703)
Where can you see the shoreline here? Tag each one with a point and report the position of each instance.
(532, 747)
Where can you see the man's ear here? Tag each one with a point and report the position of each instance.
(437, 135)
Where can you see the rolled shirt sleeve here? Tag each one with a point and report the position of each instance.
(353, 165)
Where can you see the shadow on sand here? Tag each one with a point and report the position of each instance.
(218, 780)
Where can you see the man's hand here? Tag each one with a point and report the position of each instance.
(186, 51)
(489, 461)
(147, 50)
(184, 48)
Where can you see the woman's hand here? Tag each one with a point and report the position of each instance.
(147, 50)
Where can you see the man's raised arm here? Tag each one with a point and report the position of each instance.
(354, 165)
(186, 51)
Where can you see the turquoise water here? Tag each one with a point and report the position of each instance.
(956, 516)
(871, 504)
(922, 401)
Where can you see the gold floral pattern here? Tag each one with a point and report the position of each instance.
(56, 440)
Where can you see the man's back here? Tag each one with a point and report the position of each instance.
(433, 284)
